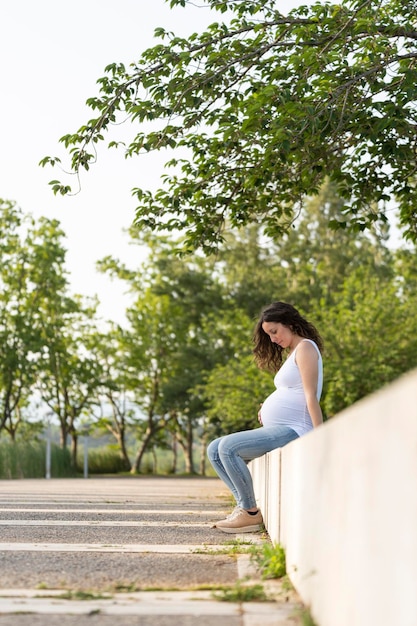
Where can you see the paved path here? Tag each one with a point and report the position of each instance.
(78, 552)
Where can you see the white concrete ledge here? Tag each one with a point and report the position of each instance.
(343, 502)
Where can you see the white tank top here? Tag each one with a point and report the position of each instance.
(286, 406)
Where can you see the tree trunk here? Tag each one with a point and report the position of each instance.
(118, 430)
(141, 451)
(123, 452)
(174, 448)
(189, 460)
(155, 460)
(63, 433)
(203, 453)
(186, 446)
(120, 438)
(74, 448)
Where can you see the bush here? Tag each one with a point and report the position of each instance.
(102, 461)
(28, 460)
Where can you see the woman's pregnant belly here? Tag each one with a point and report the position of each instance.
(282, 407)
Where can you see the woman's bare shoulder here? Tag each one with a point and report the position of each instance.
(307, 349)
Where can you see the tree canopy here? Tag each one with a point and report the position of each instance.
(259, 108)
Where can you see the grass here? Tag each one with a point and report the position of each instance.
(103, 460)
(82, 595)
(242, 592)
(231, 548)
(126, 587)
(22, 459)
(41, 586)
(270, 560)
(306, 618)
(26, 459)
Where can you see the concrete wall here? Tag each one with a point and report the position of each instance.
(342, 500)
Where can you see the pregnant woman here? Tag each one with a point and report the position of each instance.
(291, 411)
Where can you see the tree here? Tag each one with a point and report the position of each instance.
(145, 350)
(69, 374)
(197, 301)
(147, 344)
(259, 108)
(31, 271)
(250, 267)
(17, 337)
(117, 409)
(234, 390)
(45, 335)
(315, 260)
(171, 342)
(370, 338)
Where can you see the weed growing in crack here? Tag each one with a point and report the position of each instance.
(242, 592)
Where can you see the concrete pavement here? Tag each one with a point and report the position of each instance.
(83, 551)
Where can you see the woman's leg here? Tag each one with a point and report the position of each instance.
(214, 458)
(232, 453)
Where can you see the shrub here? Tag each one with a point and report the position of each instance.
(102, 461)
(24, 459)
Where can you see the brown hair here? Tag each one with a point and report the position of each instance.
(268, 355)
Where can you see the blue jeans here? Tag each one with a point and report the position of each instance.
(229, 456)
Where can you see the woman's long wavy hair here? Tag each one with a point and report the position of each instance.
(268, 355)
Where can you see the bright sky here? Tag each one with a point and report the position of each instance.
(51, 55)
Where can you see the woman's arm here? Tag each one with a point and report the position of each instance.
(308, 364)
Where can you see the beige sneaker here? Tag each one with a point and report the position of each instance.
(241, 522)
(233, 513)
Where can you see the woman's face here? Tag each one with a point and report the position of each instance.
(278, 333)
